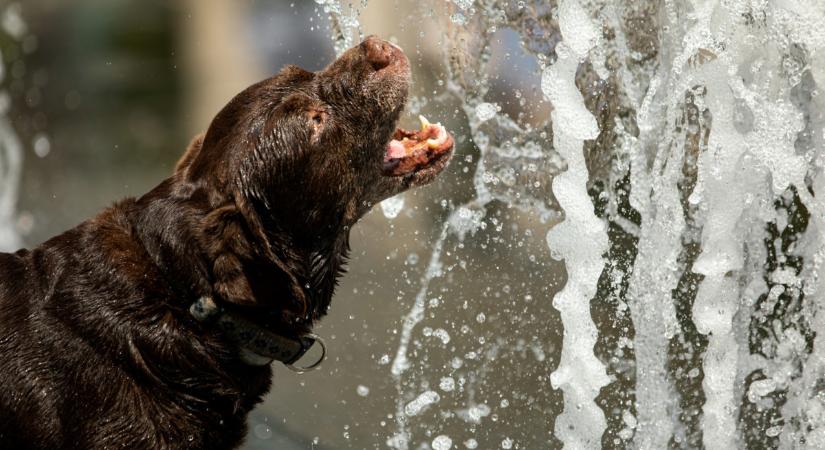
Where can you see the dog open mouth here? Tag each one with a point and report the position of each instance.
(414, 151)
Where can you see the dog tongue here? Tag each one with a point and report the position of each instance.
(395, 149)
(431, 137)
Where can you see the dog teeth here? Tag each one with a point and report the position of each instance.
(424, 122)
(441, 135)
(440, 138)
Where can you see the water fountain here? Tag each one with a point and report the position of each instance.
(685, 149)
(679, 173)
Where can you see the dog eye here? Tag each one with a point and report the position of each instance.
(317, 118)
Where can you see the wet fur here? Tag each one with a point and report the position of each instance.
(97, 348)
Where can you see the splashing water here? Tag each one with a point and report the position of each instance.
(674, 150)
(11, 149)
(392, 206)
(681, 169)
(580, 239)
(344, 23)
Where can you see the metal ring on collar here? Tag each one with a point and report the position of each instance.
(316, 364)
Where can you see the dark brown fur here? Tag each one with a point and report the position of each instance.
(97, 348)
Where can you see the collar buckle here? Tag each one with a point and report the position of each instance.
(313, 338)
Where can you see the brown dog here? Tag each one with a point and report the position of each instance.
(152, 325)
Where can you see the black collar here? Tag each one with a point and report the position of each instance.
(257, 346)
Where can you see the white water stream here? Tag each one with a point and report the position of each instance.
(710, 118)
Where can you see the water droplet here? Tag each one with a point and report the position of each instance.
(421, 403)
(392, 206)
(442, 442)
(42, 146)
(458, 19)
(447, 384)
(486, 111)
(463, 4)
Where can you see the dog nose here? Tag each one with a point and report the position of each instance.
(380, 53)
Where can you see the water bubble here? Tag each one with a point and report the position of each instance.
(443, 335)
(421, 403)
(442, 442)
(486, 111)
(362, 390)
(463, 4)
(474, 413)
(392, 206)
(629, 419)
(458, 19)
(466, 220)
(447, 384)
(42, 146)
(398, 441)
(12, 21)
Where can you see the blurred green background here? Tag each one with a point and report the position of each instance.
(106, 94)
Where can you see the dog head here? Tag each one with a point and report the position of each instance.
(300, 157)
(314, 146)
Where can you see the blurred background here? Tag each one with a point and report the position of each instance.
(106, 94)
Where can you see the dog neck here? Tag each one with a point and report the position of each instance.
(288, 278)
(318, 260)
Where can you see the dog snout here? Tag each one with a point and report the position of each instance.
(380, 53)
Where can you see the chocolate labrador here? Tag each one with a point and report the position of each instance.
(152, 325)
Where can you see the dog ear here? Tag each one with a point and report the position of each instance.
(190, 154)
(236, 243)
(227, 246)
(279, 271)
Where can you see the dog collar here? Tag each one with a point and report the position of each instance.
(258, 346)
